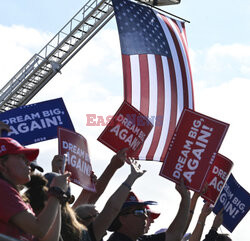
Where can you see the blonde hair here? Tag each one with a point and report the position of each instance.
(71, 229)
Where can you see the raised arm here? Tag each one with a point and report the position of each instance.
(194, 200)
(40, 226)
(196, 234)
(116, 162)
(218, 220)
(55, 230)
(176, 229)
(114, 204)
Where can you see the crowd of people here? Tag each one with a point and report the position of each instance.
(34, 206)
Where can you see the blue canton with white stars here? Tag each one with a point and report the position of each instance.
(139, 29)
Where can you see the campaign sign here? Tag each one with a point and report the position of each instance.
(217, 177)
(128, 128)
(78, 163)
(236, 203)
(192, 149)
(37, 122)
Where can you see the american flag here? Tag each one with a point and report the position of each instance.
(156, 70)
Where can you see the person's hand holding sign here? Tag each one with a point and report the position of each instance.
(193, 202)
(119, 159)
(183, 191)
(206, 210)
(218, 220)
(101, 183)
(177, 227)
(4, 127)
(196, 234)
(212, 234)
(57, 163)
(93, 178)
(61, 181)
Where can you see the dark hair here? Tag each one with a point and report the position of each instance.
(37, 192)
(71, 229)
(223, 237)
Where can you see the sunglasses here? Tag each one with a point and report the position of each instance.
(138, 212)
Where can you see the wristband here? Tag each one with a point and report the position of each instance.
(126, 185)
(59, 194)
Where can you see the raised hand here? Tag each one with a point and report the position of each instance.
(93, 177)
(182, 189)
(57, 163)
(218, 220)
(204, 189)
(61, 181)
(206, 210)
(119, 159)
(136, 169)
(4, 127)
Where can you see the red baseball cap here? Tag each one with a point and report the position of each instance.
(132, 200)
(11, 146)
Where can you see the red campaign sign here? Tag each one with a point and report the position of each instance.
(191, 152)
(78, 163)
(128, 128)
(217, 177)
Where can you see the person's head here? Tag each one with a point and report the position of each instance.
(71, 229)
(133, 221)
(86, 213)
(15, 160)
(152, 215)
(132, 218)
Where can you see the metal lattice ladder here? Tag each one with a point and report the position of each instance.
(42, 67)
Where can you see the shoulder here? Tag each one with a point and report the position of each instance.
(118, 237)
(5, 185)
(7, 192)
(11, 202)
(153, 237)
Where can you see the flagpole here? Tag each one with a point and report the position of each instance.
(159, 9)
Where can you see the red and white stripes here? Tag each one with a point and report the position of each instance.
(160, 87)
